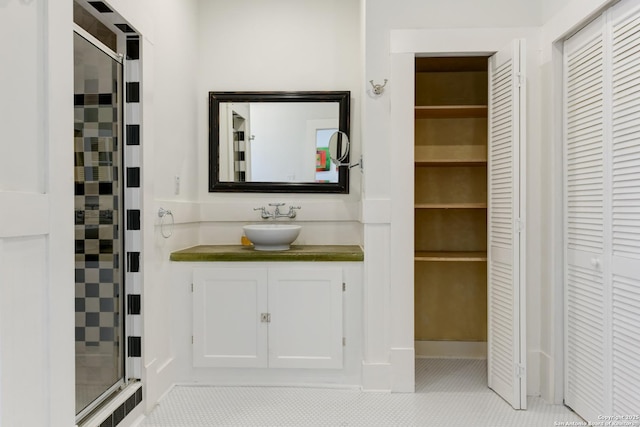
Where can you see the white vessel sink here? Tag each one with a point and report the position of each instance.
(271, 237)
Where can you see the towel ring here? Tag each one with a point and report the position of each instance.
(163, 213)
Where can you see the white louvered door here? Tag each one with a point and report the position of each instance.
(584, 221)
(602, 215)
(625, 209)
(506, 315)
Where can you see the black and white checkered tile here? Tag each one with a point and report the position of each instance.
(97, 186)
(99, 179)
(133, 202)
(239, 161)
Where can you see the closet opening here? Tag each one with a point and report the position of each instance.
(468, 216)
(450, 217)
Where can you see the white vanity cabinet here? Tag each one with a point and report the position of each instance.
(227, 304)
(268, 317)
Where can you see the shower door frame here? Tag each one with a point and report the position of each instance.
(121, 382)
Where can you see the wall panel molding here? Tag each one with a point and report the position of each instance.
(376, 211)
(311, 210)
(24, 214)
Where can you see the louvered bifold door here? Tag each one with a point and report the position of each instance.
(506, 322)
(585, 295)
(625, 208)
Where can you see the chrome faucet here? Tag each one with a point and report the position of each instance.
(292, 213)
(265, 214)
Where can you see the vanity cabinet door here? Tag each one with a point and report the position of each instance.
(306, 317)
(227, 327)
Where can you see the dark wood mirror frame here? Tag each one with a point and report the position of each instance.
(343, 99)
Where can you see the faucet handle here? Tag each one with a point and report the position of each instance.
(292, 212)
(263, 212)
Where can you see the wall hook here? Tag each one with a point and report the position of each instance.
(378, 88)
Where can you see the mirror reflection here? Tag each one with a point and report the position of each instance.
(276, 141)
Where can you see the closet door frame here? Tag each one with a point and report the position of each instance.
(405, 46)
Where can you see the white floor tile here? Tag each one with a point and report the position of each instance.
(449, 392)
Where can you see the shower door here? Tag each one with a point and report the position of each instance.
(98, 218)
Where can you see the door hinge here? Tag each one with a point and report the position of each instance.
(192, 287)
(344, 287)
(344, 341)
(519, 225)
(520, 371)
(191, 339)
(520, 79)
(265, 317)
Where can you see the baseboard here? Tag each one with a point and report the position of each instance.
(533, 373)
(452, 349)
(548, 382)
(327, 386)
(403, 376)
(376, 377)
(160, 376)
(138, 421)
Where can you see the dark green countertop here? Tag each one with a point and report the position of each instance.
(206, 253)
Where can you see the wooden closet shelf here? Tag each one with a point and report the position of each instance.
(451, 162)
(450, 111)
(450, 205)
(451, 155)
(450, 256)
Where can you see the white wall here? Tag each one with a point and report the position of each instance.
(286, 45)
(282, 45)
(384, 350)
(37, 384)
(169, 149)
(551, 7)
(174, 132)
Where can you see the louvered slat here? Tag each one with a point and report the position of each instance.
(626, 343)
(584, 144)
(502, 314)
(626, 139)
(585, 373)
(625, 214)
(501, 153)
(584, 149)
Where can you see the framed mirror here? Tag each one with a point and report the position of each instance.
(276, 142)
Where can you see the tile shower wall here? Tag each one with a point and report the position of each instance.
(97, 220)
(133, 196)
(91, 161)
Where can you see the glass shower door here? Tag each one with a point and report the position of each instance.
(98, 218)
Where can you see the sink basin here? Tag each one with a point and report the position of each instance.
(271, 237)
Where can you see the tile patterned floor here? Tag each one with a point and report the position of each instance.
(449, 392)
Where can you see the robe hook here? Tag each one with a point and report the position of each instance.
(378, 88)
